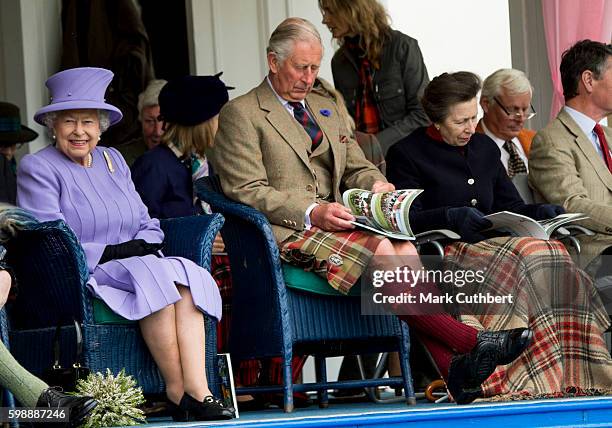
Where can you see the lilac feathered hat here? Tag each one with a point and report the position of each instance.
(79, 88)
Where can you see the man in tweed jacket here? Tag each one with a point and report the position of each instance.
(264, 156)
(567, 164)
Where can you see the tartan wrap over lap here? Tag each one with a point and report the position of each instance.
(311, 250)
(556, 300)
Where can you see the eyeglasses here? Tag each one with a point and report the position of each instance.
(517, 113)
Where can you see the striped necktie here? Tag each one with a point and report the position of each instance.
(515, 163)
(605, 149)
(311, 128)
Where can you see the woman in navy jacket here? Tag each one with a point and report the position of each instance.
(463, 179)
(164, 176)
(461, 182)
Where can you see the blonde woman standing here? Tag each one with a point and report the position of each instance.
(379, 71)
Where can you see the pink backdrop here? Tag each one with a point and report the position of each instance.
(566, 22)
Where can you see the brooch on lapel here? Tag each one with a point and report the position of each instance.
(325, 112)
(109, 162)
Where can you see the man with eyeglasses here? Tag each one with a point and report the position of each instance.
(570, 159)
(506, 102)
(12, 136)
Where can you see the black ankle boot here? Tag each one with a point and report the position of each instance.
(505, 345)
(493, 348)
(79, 407)
(210, 409)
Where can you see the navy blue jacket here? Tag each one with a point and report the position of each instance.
(452, 177)
(164, 183)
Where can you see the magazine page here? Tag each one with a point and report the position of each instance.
(551, 224)
(365, 223)
(387, 211)
(517, 224)
(359, 201)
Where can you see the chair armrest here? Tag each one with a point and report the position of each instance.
(433, 237)
(52, 273)
(192, 237)
(208, 189)
(569, 233)
(576, 229)
(560, 233)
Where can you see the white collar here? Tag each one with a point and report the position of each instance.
(585, 123)
(500, 142)
(283, 101)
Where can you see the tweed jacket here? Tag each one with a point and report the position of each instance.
(565, 168)
(263, 157)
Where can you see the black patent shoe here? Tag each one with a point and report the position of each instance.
(209, 409)
(493, 348)
(79, 407)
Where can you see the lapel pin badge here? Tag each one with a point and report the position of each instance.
(325, 112)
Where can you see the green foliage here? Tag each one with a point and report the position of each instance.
(118, 399)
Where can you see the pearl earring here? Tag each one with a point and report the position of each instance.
(53, 136)
(437, 127)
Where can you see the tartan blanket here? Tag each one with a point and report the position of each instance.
(556, 300)
(338, 257)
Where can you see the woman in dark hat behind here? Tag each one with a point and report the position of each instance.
(164, 176)
(12, 134)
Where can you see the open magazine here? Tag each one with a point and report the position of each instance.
(384, 213)
(520, 225)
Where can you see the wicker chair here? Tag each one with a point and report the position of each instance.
(272, 319)
(52, 274)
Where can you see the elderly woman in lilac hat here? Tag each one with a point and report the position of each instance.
(90, 188)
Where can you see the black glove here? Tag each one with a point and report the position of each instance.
(546, 211)
(133, 248)
(467, 222)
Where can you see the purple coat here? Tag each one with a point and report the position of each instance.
(102, 207)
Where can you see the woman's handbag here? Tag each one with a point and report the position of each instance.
(66, 377)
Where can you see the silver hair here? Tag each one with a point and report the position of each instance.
(515, 82)
(288, 32)
(150, 96)
(50, 118)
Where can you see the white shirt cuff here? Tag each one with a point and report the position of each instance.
(307, 223)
